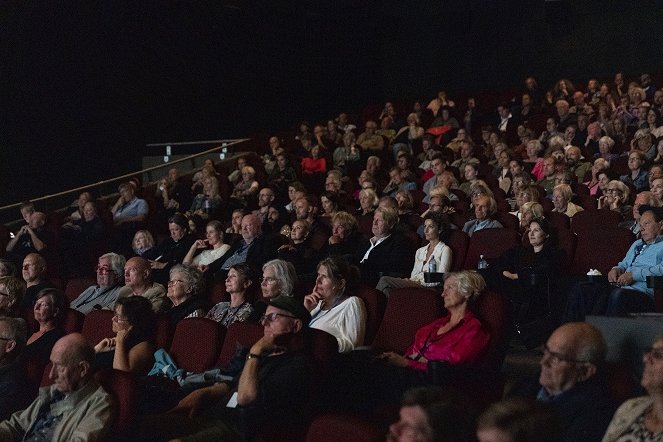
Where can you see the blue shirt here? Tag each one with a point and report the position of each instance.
(643, 260)
(135, 207)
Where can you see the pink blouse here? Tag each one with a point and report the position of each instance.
(463, 343)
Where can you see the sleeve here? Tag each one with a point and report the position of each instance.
(445, 259)
(15, 427)
(655, 269)
(401, 257)
(142, 208)
(630, 255)
(352, 326)
(414, 347)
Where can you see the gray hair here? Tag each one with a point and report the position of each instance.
(285, 274)
(17, 330)
(117, 263)
(192, 277)
(468, 282)
(565, 191)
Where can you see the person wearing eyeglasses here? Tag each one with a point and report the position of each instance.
(13, 334)
(641, 418)
(132, 348)
(110, 276)
(616, 198)
(185, 291)
(572, 383)
(275, 384)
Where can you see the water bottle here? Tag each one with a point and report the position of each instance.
(432, 265)
(483, 264)
(207, 206)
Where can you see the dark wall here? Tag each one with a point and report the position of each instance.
(85, 85)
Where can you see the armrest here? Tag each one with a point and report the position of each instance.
(656, 283)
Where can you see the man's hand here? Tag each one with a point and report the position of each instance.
(625, 278)
(267, 345)
(614, 274)
(191, 403)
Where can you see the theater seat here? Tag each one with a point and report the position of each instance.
(491, 243)
(458, 242)
(375, 302)
(196, 344)
(594, 219)
(98, 325)
(73, 321)
(243, 333)
(341, 427)
(76, 286)
(601, 249)
(122, 386)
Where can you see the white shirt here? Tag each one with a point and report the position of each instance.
(345, 321)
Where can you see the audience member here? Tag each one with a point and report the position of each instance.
(239, 308)
(518, 420)
(110, 275)
(12, 290)
(13, 335)
(34, 275)
(31, 238)
(185, 291)
(484, 208)
(173, 249)
(138, 282)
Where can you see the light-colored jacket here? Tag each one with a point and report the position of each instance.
(625, 415)
(87, 415)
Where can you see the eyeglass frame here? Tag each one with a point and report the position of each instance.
(174, 282)
(274, 315)
(558, 357)
(105, 269)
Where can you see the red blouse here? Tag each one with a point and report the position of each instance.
(462, 344)
(311, 165)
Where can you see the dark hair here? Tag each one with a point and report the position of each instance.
(522, 419)
(547, 228)
(338, 269)
(181, 220)
(10, 266)
(447, 419)
(60, 302)
(140, 316)
(441, 222)
(331, 196)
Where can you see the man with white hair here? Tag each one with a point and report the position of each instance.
(110, 275)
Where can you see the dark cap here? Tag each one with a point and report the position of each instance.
(292, 305)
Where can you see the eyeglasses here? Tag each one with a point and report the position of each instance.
(267, 280)
(103, 270)
(272, 317)
(558, 358)
(173, 282)
(654, 352)
(118, 318)
(4, 294)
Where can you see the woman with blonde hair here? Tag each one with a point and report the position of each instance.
(616, 198)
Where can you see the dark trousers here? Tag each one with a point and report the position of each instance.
(591, 298)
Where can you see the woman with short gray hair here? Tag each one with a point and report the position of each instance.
(185, 290)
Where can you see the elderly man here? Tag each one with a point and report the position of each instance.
(12, 290)
(642, 141)
(138, 282)
(571, 383)
(13, 336)
(265, 199)
(275, 381)
(31, 238)
(75, 407)
(564, 117)
(254, 249)
(643, 198)
(629, 292)
(561, 199)
(575, 164)
(110, 273)
(388, 252)
(77, 206)
(369, 140)
(484, 208)
(34, 275)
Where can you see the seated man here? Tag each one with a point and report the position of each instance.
(75, 407)
(387, 253)
(254, 249)
(31, 238)
(575, 164)
(572, 384)
(110, 273)
(369, 140)
(266, 197)
(34, 275)
(138, 282)
(484, 208)
(129, 214)
(13, 336)
(466, 155)
(397, 183)
(643, 198)
(629, 277)
(275, 381)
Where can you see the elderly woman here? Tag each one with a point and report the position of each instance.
(529, 211)
(405, 202)
(345, 237)
(606, 144)
(616, 198)
(637, 176)
(208, 201)
(239, 308)
(368, 201)
(332, 308)
(212, 247)
(600, 165)
(143, 245)
(173, 249)
(132, 348)
(435, 256)
(49, 313)
(185, 290)
(511, 274)
(278, 278)
(246, 188)
(534, 161)
(561, 199)
(12, 290)
(641, 418)
(299, 251)
(206, 171)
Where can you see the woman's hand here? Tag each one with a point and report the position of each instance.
(394, 359)
(311, 301)
(157, 265)
(121, 336)
(203, 268)
(201, 244)
(511, 276)
(106, 344)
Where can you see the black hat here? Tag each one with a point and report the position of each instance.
(292, 305)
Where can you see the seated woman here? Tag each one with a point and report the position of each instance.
(239, 309)
(278, 278)
(314, 163)
(471, 174)
(132, 348)
(185, 290)
(528, 212)
(173, 249)
(207, 202)
(512, 273)
(49, 313)
(236, 221)
(214, 239)
(436, 254)
(616, 198)
(600, 165)
(143, 245)
(346, 155)
(299, 251)
(332, 309)
(12, 290)
(329, 203)
(405, 202)
(641, 418)
(368, 202)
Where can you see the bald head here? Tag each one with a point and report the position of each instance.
(72, 358)
(584, 341)
(37, 220)
(137, 273)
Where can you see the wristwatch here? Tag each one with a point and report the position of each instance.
(252, 356)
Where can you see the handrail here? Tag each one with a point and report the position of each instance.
(225, 144)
